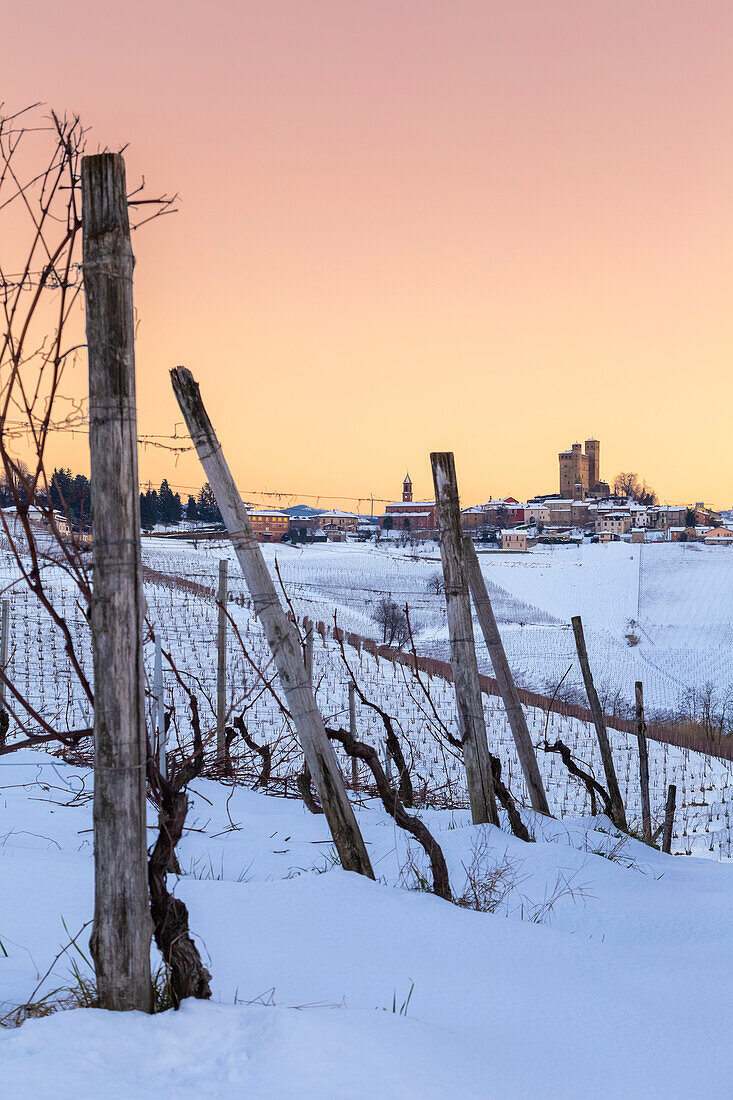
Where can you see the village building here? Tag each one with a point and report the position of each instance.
(687, 534)
(335, 521)
(538, 514)
(614, 523)
(269, 526)
(507, 511)
(39, 518)
(416, 516)
(641, 514)
(302, 524)
(561, 511)
(582, 513)
(669, 516)
(473, 519)
(719, 536)
(514, 539)
(705, 516)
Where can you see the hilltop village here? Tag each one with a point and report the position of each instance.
(584, 507)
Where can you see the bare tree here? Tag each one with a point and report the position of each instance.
(628, 485)
(393, 622)
(435, 584)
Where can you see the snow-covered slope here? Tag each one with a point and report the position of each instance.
(617, 987)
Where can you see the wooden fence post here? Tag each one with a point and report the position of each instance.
(4, 642)
(309, 652)
(669, 819)
(221, 663)
(160, 747)
(617, 813)
(281, 635)
(352, 731)
(646, 811)
(463, 653)
(504, 679)
(120, 941)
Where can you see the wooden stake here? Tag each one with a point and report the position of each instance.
(669, 819)
(463, 652)
(120, 941)
(646, 812)
(4, 641)
(309, 652)
(352, 731)
(281, 635)
(504, 679)
(159, 716)
(221, 663)
(617, 813)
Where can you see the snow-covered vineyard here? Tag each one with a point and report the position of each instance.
(586, 924)
(187, 623)
(659, 613)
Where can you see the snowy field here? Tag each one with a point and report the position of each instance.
(619, 986)
(674, 601)
(187, 624)
(597, 963)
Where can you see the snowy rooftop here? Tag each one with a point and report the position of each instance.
(404, 515)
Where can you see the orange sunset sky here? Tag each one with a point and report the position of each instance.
(485, 227)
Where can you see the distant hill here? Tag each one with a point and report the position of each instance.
(302, 510)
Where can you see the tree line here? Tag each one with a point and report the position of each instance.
(70, 494)
(163, 506)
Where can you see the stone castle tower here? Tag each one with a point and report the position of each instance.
(407, 490)
(580, 473)
(593, 452)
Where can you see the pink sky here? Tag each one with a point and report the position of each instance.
(404, 227)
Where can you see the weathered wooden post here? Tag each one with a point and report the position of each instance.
(463, 652)
(120, 941)
(160, 747)
(504, 679)
(4, 642)
(646, 811)
(616, 808)
(281, 635)
(221, 663)
(669, 819)
(352, 731)
(307, 629)
(309, 652)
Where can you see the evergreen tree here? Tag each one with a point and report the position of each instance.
(149, 508)
(207, 506)
(169, 505)
(81, 499)
(70, 493)
(192, 512)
